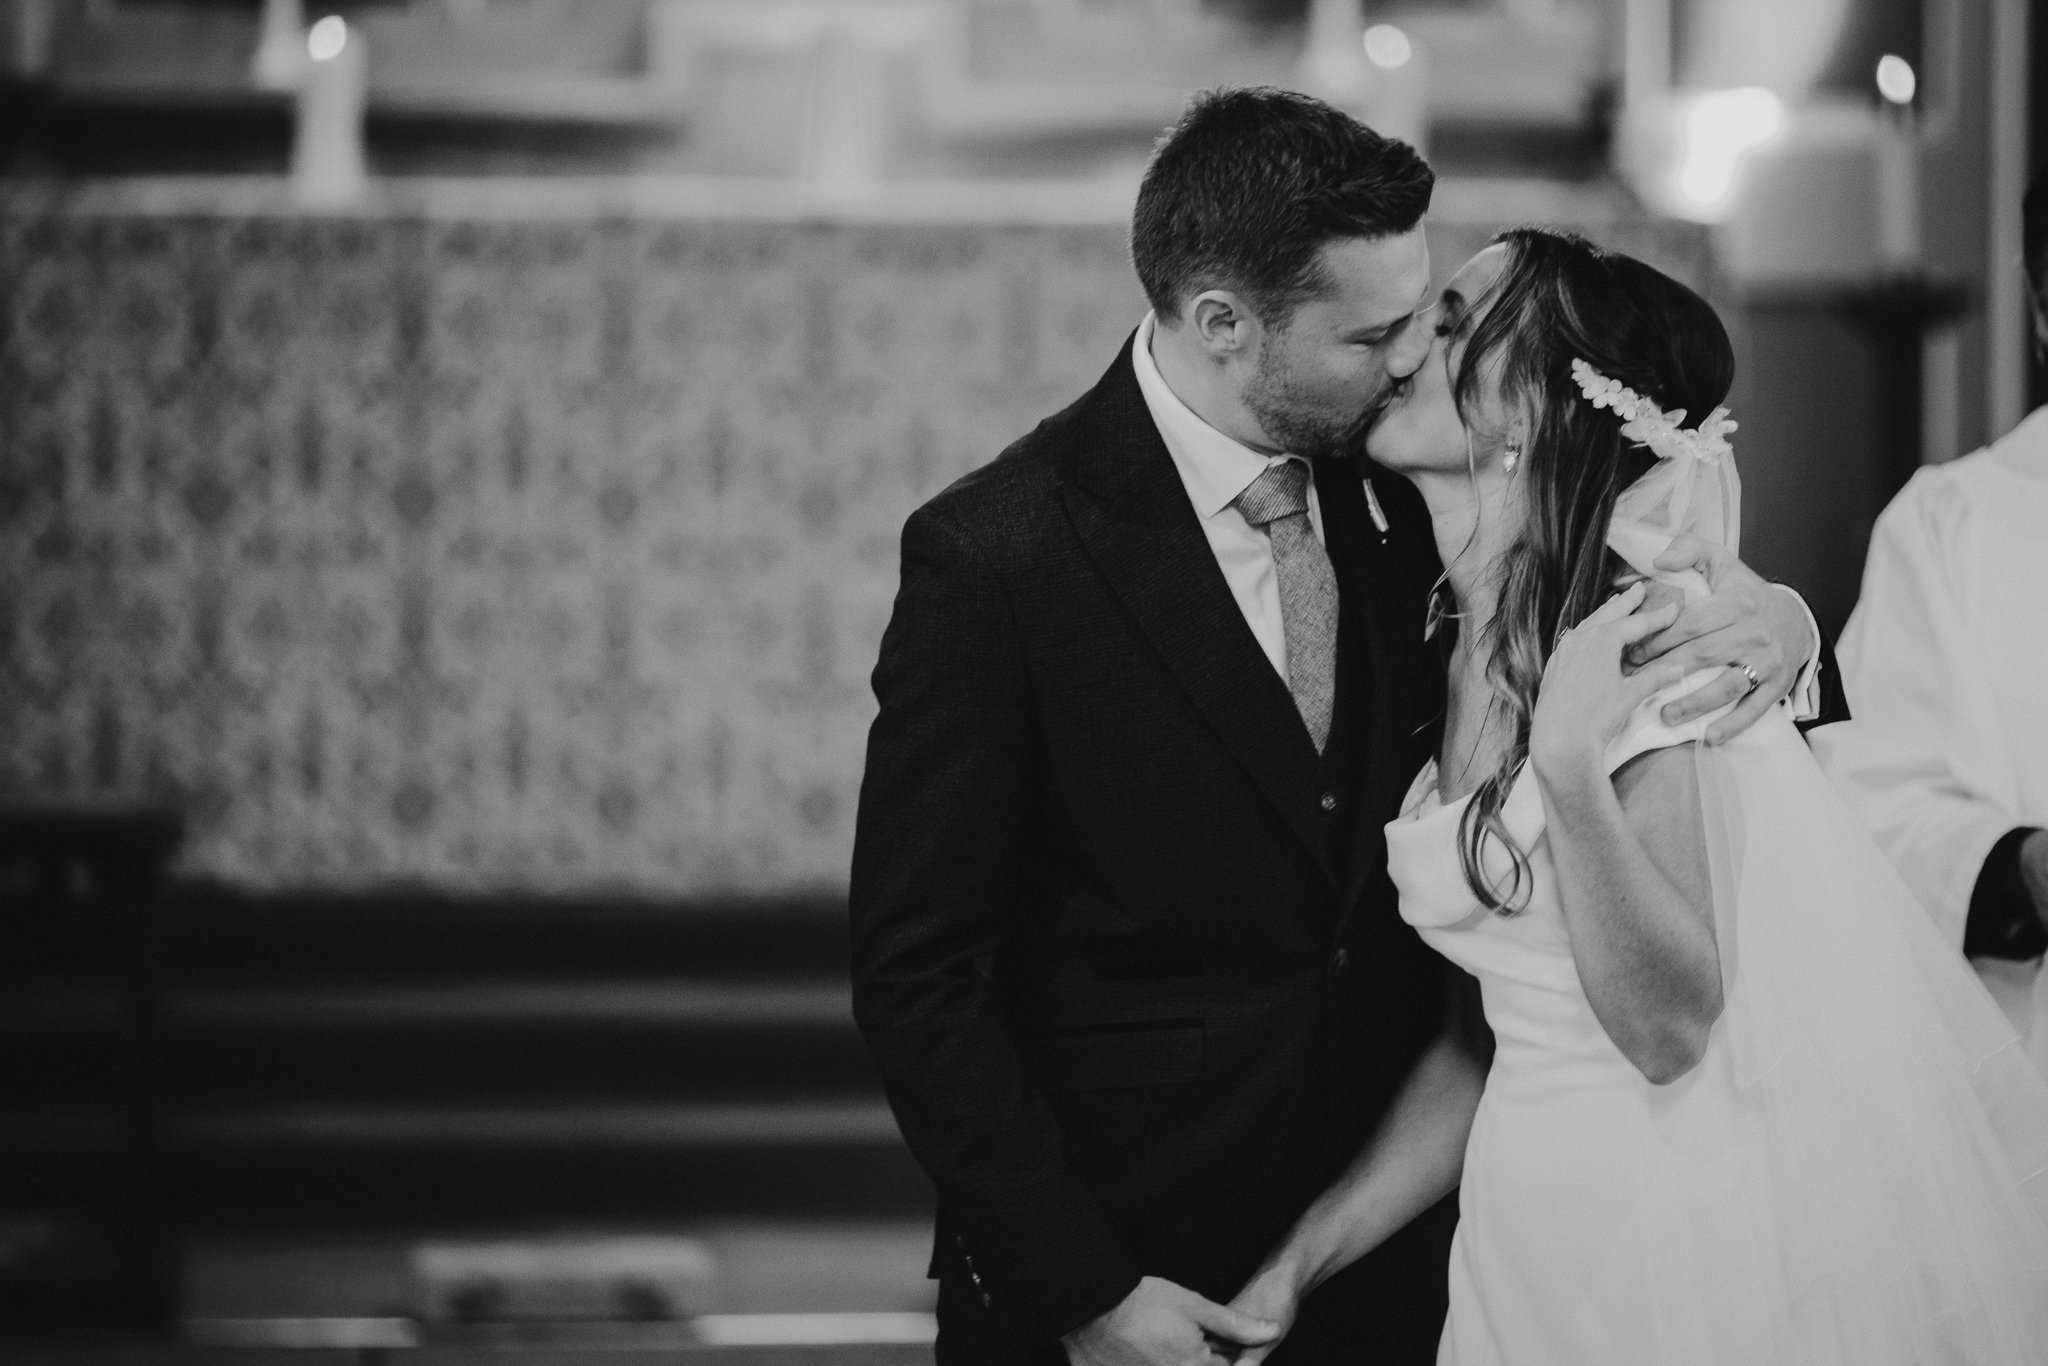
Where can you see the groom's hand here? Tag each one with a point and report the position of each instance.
(1743, 621)
(1163, 1324)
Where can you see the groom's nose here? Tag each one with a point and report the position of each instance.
(1407, 348)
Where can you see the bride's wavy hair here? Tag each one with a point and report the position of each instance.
(1560, 297)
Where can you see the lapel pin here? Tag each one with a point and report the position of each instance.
(1373, 509)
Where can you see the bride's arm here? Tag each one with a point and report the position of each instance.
(1412, 1160)
(1630, 852)
(1632, 877)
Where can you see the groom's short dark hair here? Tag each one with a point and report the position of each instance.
(1245, 189)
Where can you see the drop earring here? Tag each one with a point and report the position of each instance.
(1510, 457)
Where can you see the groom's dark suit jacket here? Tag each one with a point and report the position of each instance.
(1125, 948)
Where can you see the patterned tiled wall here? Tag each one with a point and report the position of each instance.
(536, 556)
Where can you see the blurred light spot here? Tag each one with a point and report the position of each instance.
(1388, 47)
(326, 39)
(327, 1333)
(813, 1330)
(1719, 131)
(1895, 79)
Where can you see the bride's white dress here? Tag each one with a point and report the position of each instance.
(1855, 1175)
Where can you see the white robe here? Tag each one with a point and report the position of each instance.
(1944, 662)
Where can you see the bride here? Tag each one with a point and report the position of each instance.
(1744, 1105)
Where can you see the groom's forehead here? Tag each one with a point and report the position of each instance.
(1378, 275)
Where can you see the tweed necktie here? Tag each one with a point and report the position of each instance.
(1278, 501)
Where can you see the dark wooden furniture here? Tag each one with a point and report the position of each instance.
(80, 887)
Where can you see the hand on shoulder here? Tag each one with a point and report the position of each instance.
(1746, 626)
(1586, 697)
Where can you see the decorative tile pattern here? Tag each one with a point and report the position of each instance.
(534, 556)
(495, 555)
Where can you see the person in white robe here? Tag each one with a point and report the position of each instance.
(1943, 663)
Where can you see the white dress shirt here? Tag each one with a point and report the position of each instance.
(1215, 469)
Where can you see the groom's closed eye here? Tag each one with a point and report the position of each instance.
(1385, 332)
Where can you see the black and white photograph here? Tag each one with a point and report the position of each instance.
(1024, 682)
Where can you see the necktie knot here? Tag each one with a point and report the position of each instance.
(1282, 491)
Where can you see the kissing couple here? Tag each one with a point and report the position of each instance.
(1339, 877)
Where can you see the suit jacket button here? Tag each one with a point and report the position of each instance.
(1329, 802)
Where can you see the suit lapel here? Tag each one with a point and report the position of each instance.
(1386, 575)
(1131, 512)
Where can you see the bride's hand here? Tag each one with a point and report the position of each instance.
(1274, 1295)
(1585, 698)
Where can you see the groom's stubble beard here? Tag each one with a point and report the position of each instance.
(1304, 425)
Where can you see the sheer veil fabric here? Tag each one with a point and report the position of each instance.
(1855, 1173)
(1899, 1213)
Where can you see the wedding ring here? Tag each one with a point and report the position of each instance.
(1749, 674)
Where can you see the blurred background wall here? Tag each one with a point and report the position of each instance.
(526, 521)
(505, 550)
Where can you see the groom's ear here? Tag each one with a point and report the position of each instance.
(1222, 323)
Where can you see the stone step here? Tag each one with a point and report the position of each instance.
(658, 1352)
(733, 1002)
(761, 1267)
(214, 935)
(402, 1055)
(487, 1127)
(330, 1162)
(632, 1039)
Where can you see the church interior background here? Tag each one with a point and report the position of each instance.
(451, 460)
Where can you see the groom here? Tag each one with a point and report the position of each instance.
(1125, 949)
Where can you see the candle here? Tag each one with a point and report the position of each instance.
(1399, 106)
(1333, 64)
(280, 46)
(35, 23)
(327, 146)
(1897, 169)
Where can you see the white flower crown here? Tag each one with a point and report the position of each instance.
(1644, 423)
